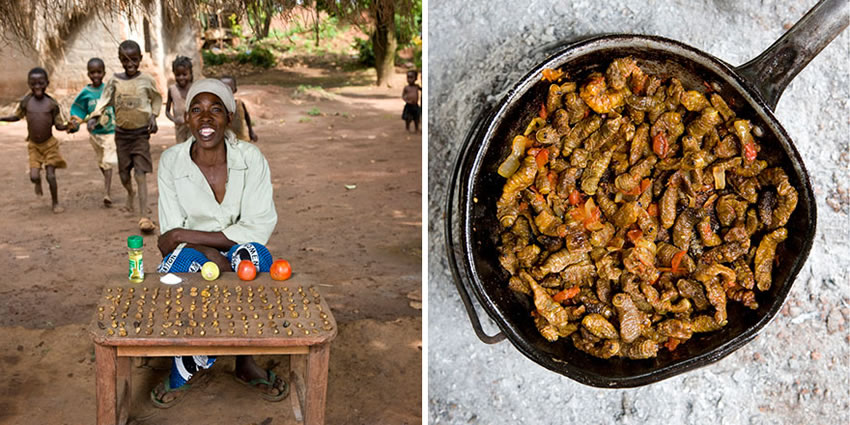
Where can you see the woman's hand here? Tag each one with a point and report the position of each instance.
(213, 255)
(152, 128)
(168, 241)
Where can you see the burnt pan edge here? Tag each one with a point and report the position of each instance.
(473, 166)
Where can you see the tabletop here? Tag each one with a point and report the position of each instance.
(223, 312)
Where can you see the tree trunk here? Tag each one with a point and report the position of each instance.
(267, 23)
(383, 41)
(260, 17)
(317, 21)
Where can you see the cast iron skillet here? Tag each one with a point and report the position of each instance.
(753, 88)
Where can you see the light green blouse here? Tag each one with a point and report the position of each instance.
(186, 200)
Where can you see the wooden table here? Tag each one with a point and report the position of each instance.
(223, 317)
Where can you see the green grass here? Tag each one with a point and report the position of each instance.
(305, 120)
(314, 112)
(302, 88)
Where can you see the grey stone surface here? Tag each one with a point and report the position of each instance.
(797, 371)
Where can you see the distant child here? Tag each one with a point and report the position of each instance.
(136, 101)
(182, 69)
(410, 94)
(42, 114)
(101, 137)
(241, 123)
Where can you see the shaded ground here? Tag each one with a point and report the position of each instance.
(363, 242)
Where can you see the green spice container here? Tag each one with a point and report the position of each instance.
(137, 265)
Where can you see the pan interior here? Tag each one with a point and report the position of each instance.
(483, 186)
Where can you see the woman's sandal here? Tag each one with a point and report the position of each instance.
(269, 383)
(179, 392)
(158, 402)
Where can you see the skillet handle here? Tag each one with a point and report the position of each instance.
(770, 72)
(459, 278)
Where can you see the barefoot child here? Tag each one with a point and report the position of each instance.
(137, 102)
(101, 137)
(241, 124)
(42, 114)
(410, 94)
(182, 69)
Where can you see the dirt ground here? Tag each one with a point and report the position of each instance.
(347, 181)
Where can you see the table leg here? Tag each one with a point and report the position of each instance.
(124, 383)
(317, 384)
(106, 364)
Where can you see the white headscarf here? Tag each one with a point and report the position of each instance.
(216, 87)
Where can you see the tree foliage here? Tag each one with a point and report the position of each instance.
(261, 12)
(382, 19)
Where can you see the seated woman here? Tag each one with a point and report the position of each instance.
(215, 204)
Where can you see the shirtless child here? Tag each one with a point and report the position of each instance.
(137, 102)
(410, 94)
(176, 100)
(42, 114)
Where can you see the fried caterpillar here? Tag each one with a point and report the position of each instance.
(637, 211)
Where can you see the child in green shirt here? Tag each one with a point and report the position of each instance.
(101, 136)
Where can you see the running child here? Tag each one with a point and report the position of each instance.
(182, 69)
(137, 103)
(241, 123)
(410, 94)
(101, 137)
(42, 113)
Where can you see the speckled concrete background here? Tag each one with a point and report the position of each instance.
(796, 372)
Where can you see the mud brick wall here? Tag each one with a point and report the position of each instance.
(98, 36)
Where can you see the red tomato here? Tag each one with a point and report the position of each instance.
(281, 270)
(246, 270)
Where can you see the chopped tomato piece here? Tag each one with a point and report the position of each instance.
(750, 151)
(660, 145)
(567, 294)
(672, 343)
(677, 261)
(634, 235)
(575, 197)
(553, 178)
(652, 209)
(542, 158)
(592, 214)
(543, 113)
(634, 192)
